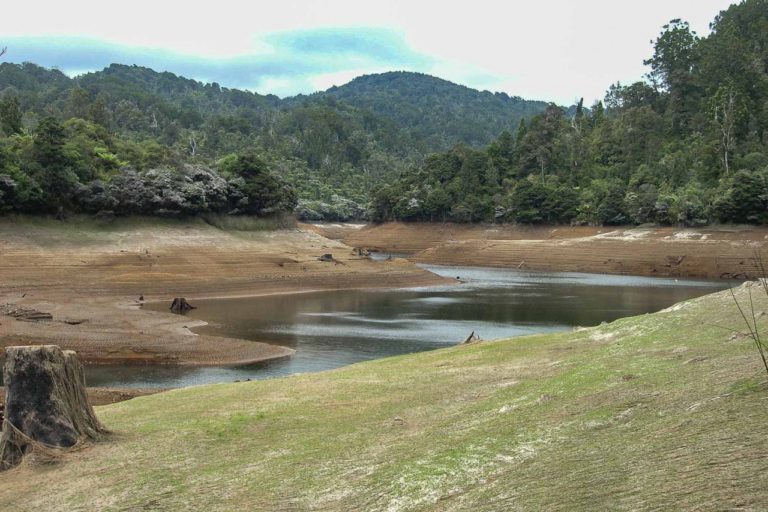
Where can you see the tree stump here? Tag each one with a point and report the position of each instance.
(181, 306)
(472, 338)
(46, 405)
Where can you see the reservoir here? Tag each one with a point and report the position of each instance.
(336, 328)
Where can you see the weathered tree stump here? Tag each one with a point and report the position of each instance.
(472, 338)
(180, 305)
(46, 405)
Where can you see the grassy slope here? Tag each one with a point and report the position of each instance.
(655, 412)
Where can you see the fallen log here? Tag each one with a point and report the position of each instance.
(24, 314)
(47, 412)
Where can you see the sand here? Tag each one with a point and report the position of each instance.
(91, 277)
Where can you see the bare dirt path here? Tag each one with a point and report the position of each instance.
(90, 279)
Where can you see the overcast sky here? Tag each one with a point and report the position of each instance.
(554, 50)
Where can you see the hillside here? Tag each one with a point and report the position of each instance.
(437, 113)
(431, 113)
(656, 412)
(687, 145)
(332, 147)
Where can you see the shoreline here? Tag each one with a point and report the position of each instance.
(714, 252)
(90, 281)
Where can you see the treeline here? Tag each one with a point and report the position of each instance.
(688, 146)
(127, 124)
(78, 166)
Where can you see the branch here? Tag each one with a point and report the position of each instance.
(2, 52)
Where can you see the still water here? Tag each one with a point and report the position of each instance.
(336, 328)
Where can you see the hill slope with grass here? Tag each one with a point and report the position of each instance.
(656, 412)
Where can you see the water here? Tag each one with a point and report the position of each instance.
(336, 328)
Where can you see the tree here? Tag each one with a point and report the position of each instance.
(55, 176)
(672, 69)
(10, 115)
(727, 109)
(264, 193)
(742, 198)
(538, 150)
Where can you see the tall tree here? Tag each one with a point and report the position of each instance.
(727, 109)
(674, 60)
(10, 115)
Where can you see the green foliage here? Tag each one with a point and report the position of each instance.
(10, 115)
(659, 152)
(687, 147)
(262, 192)
(341, 142)
(743, 197)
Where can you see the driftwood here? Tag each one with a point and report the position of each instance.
(23, 313)
(47, 412)
(180, 305)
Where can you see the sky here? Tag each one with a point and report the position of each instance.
(553, 50)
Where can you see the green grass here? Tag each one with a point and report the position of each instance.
(657, 412)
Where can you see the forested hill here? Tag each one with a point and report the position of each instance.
(688, 145)
(436, 112)
(425, 113)
(331, 147)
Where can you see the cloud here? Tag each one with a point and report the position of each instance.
(285, 63)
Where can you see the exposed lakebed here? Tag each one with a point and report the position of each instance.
(335, 328)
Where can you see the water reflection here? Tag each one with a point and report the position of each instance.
(332, 329)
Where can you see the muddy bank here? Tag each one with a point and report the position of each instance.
(106, 396)
(714, 252)
(90, 278)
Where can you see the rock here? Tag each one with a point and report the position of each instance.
(326, 257)
(181, 306)
(46, 405)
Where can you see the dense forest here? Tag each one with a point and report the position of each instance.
(130, 140)
(687, 145)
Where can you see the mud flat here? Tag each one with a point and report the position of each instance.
(715, 252)
(89, 277)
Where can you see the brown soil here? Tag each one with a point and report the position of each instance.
(714, 252)
(90, 279)
(106, 396)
